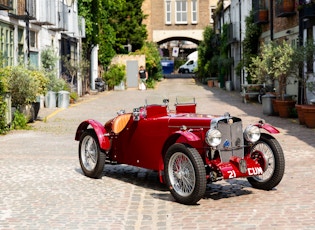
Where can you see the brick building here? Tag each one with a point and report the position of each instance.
(289, 20)
(178, 20)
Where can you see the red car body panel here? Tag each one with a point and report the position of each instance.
(269, 128)
(143, 142)
(99, 130)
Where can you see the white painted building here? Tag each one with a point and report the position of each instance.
(29, 26)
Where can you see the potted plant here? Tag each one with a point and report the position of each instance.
(42, 87)
(275, 63)
(115, 75)
(303, 58)
(24, 88)
(308, 110)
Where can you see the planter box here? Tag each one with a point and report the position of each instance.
(285, 8)
(210, 83)
(283, 107)
(309, 115)
(299, 110)
(261, 16)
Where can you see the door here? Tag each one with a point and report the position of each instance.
(132, 74)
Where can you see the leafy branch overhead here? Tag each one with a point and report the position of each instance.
(112, 24)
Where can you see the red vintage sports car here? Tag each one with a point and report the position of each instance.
(188, 149)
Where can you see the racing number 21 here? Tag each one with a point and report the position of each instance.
(232, 174)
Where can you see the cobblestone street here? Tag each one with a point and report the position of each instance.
(43, 187)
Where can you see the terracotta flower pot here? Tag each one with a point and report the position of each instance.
(210, 83)
(299, 110)
(275, 107)
(284, 107)
(309, 115)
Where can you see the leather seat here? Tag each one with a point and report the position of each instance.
(120, 122)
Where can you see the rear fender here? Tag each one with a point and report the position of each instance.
(99, 130)
(269, 128)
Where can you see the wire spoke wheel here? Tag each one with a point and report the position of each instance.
(89, 153)
(91, 158)
(185, 173)
(267, 159)
(269, 154)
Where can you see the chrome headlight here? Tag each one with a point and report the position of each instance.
(213, 137)
(252, 133)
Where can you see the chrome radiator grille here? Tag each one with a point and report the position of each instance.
(232, 140)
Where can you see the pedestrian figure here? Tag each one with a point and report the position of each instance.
(143, 76)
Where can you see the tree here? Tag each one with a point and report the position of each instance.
(274, 63)
(208, 51)
(127, 23)
(98, 29)
(112, 24)
(250, 44)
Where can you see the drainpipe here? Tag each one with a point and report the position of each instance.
(271, 19)
(240, 43)
(27, 25)
(300, 88)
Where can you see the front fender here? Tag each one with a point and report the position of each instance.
(99, 130)
(269, 128)
(188, 136)
(181, 137)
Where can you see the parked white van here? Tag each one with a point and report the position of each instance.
(191, 63)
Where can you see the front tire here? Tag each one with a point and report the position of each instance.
(185, 174)
(268, 152)
(91, 158)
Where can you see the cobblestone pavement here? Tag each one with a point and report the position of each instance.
(42, 185)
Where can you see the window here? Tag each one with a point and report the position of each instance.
(33, 39)
(6, 44)
(181, 12)
(168, 10)
(21, 52)
(194, 11)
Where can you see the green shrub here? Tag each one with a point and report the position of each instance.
(150, 83)
(19, 121)
(3, 126)
(4, 72)
(115, 74)
(22, 85)
(41, 81)
(153, 60)
(74, 96)
(55, 84)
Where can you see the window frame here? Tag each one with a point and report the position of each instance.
(168, 12)
(180, 12)
(194, 11)
(33, 36)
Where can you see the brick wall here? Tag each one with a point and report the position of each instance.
(155, 9)
(282, 23)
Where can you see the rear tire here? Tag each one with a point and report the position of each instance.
(185, 174)
(92, 159)
(268, 152)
